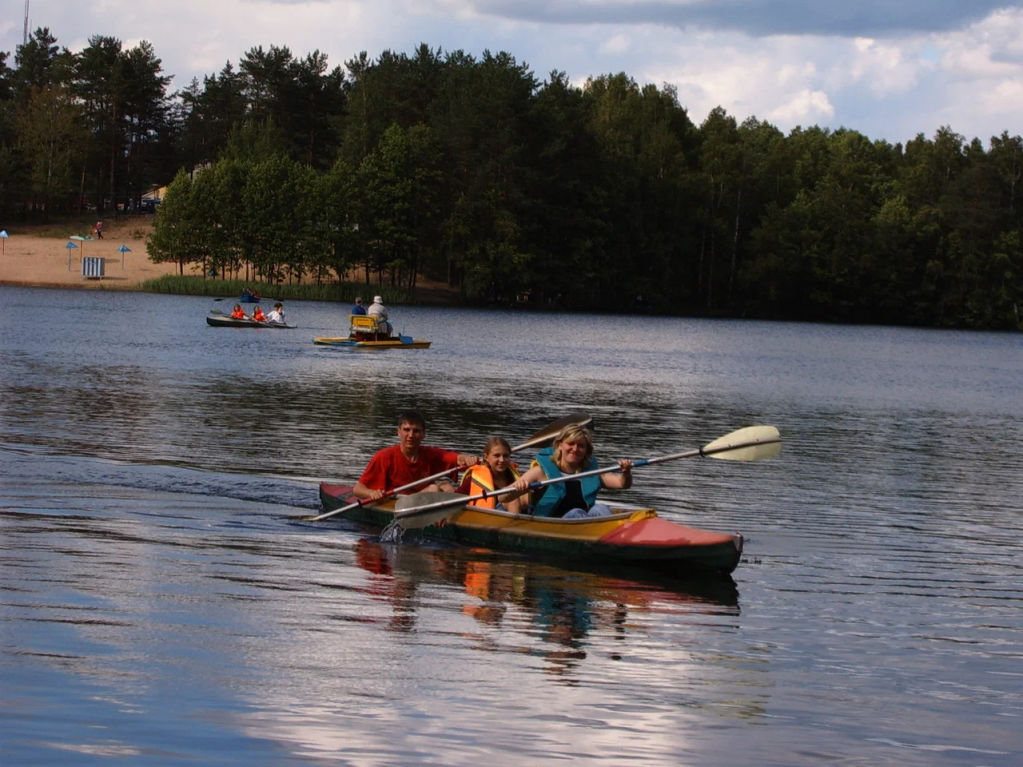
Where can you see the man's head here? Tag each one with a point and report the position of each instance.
(358, 301)
(278, 306)
(378, 299)
(411, 430)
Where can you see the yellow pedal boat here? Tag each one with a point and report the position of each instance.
(365, 333)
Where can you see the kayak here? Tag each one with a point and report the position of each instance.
(399, 342)
(231, 322)
(366, 332)
(634, 537)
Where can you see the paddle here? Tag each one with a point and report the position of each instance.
(543, 436)
(748, 444)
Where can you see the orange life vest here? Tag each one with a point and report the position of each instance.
(238, 314)
(482, 481)
(258, 315)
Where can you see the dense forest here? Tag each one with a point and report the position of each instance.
(471, 169)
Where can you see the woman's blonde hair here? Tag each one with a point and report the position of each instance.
(573, 433)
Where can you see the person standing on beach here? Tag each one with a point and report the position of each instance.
(98, 229)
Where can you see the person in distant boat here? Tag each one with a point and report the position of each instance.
(257, 314)
(378, 310)
(408, 461)
(238, 313)
(572, 453)
(277, 315)
(495, 473)
(358, 308)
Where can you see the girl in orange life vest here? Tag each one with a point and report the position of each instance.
(257, 314)
(495, 473)
(237, 313)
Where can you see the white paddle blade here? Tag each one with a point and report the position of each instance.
(752, 444)
(419, 510)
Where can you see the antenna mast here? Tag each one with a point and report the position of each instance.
(25, 33)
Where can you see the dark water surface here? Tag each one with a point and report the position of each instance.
(158, 606)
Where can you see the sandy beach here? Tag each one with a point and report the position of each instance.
(38, 255)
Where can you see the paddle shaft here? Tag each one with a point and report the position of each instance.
(367, 501)
(545, 434)
(700, 451)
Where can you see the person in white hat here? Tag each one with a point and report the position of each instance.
(378, 310)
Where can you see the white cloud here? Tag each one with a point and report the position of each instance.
(1004, 98)
(805, 106)
(616, 45)
(885, 84)
(886, 68)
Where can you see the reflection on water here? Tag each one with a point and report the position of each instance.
(536, 598)
(158, 603)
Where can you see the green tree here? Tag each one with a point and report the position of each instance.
(179, 231)
(100, 85)
(336, 227)
(278, 200)
(401, 180)
(50, 135)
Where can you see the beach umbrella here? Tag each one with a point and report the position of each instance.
(70, 246)
(82, 239)
(3, 238)
(122, 250)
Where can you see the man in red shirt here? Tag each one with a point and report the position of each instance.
(408, 461)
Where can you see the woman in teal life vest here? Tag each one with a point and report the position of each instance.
(572, 453)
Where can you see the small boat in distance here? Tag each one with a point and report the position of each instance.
(365, 333)
(220, 320)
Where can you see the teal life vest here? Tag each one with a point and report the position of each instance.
(553, 494)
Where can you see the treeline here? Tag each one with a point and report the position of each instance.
(606, 196)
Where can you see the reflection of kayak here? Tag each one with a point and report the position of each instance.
(396, 342)
(366, 333)
(638, 538)
(492, 577)
(231, 322)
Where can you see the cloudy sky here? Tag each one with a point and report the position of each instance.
(888, 68)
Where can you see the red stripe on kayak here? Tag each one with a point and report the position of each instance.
(341, 492)
(660, 532)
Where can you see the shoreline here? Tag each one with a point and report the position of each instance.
(37, 257)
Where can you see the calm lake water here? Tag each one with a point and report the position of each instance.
(159, 605)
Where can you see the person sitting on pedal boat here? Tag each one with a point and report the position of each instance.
(494, 473)
(572, 453)
(378, 310)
